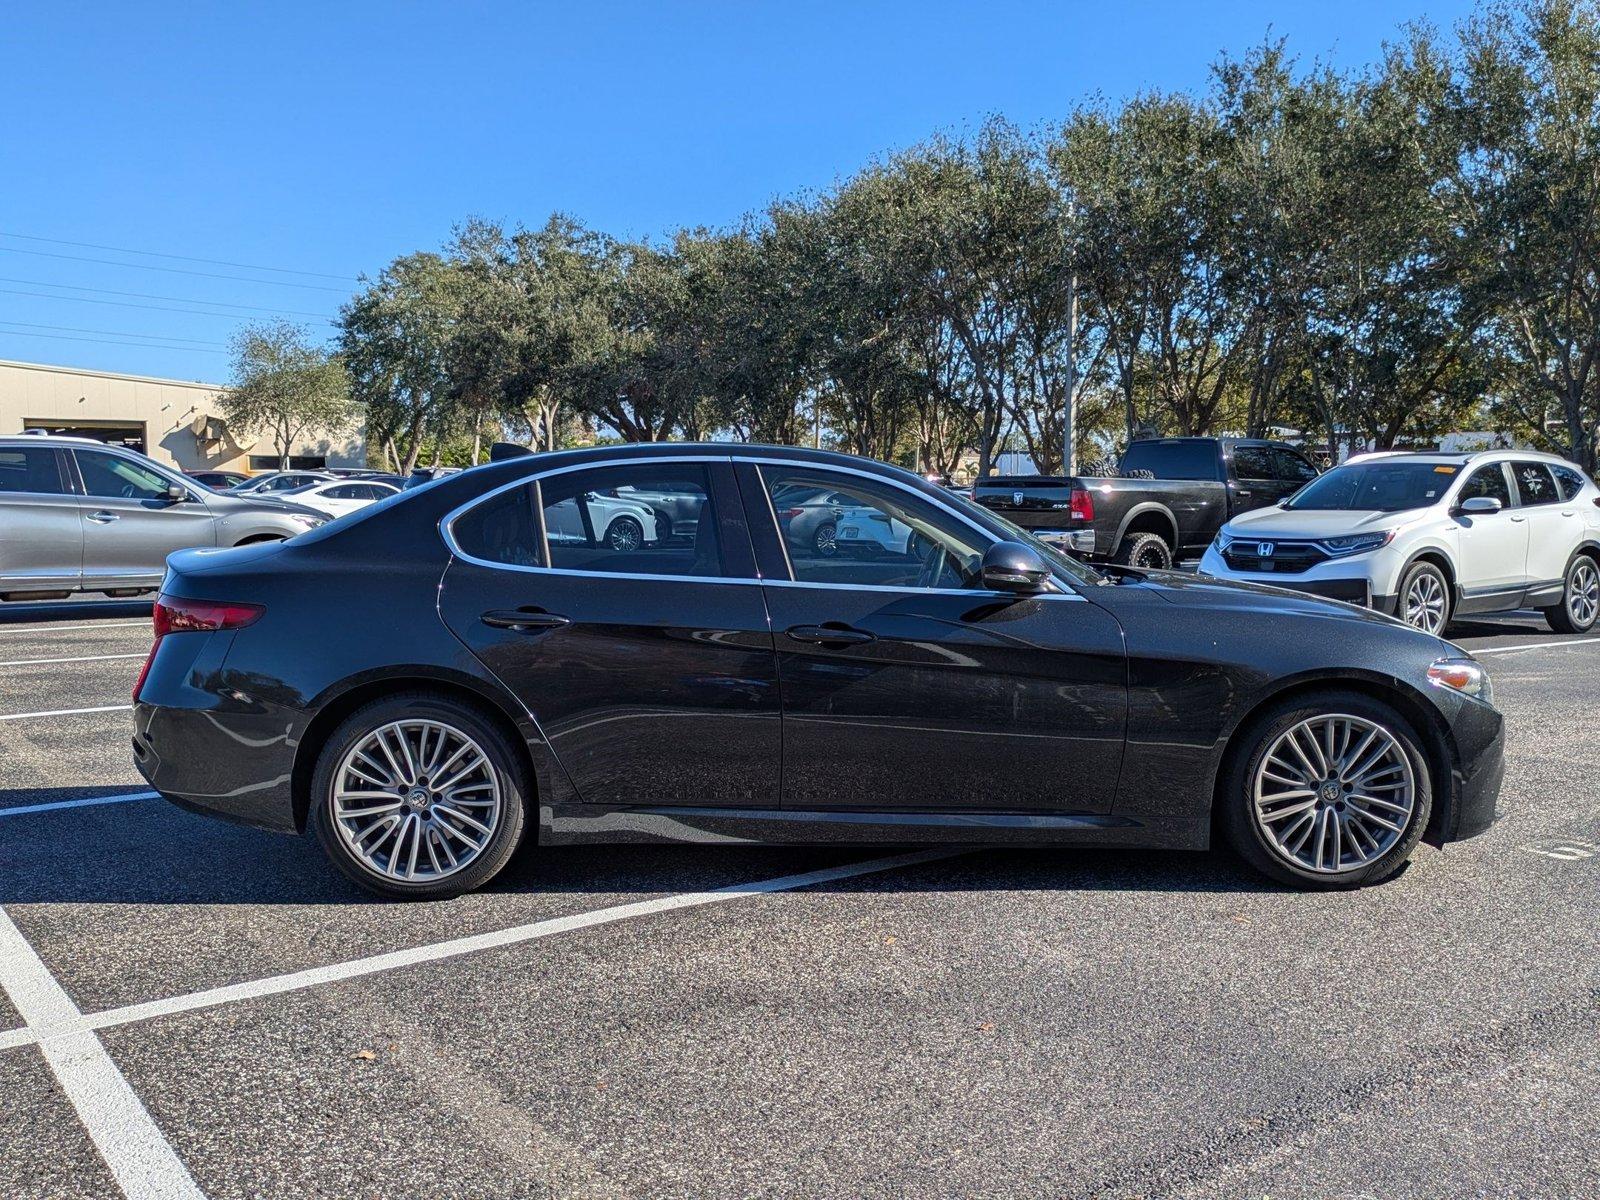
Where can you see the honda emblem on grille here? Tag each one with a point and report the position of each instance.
(1265, 549)
(1016, 497)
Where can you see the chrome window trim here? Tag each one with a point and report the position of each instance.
(447, 531)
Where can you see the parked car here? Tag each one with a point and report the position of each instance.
(601, 519)
(280, 481)
(809, 518)
(872, 532)
(219, 481)
(78, 515)
(498, 686)
(1167, 502)
(422, 475)
(337, 497)
(1430, 536)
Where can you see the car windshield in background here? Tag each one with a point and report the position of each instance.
(1377, 487)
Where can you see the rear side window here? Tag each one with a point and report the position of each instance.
(30, 469)
(1535, 484)
(502, 529)
(1172, 460)
(638, 519)
(1569, 480)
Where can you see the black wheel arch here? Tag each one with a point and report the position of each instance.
(1148, 517)
(489, 701)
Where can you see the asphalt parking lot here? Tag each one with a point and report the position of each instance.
(222, 1016)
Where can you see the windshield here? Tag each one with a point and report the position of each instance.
(1377, 487)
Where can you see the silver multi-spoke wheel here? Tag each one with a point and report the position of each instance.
(1334, 793)
(625, 534)
(416, 801)
(1583, 593)
(1425, 602)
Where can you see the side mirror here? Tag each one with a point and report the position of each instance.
(1480, 505)
(1013, 567)
(177, 493)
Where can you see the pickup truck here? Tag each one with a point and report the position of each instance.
(1166, 502)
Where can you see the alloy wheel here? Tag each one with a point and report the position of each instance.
(1583, 593)
(1425, 603)
(1333, 793)
(826, 540)
(625, 535)
(416, 801)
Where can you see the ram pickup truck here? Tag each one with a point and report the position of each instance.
(1166, 502)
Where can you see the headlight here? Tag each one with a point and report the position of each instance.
(1462, 675)
(307, 520)
(1223, 540)
(1356, 543)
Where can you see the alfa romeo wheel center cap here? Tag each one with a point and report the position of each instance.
(1330, 791)
(417, 798)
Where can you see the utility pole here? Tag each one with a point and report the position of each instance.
(1069, 414)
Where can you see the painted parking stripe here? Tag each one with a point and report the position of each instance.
(46, 627)
(140, 1158)
(28, 662)
(1534, 646)
(355, 968)
(67, 712)
(86, 802)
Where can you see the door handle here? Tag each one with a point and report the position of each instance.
(522, 621)
(1518, 520)
(830, 635)
(103, 517)
(1245, 492)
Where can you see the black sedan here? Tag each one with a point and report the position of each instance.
(432, 681)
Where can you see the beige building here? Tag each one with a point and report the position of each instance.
(172, 421)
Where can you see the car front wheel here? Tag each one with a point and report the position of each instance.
(625, 534)
(1327, 791)
(418, 797)
(1580, 598)
(1425, 598)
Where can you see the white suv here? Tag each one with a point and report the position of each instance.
(1428, 536)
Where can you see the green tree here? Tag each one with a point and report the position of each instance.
(285, 386)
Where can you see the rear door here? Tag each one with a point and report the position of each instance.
(41, 533)
(1554, 529)
(907, 685)
(650, 669)
(129, 525)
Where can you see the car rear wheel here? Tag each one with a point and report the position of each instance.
(1147, 550)
(625, 534)
(1580, 598)
(1327, 791)
(826, 539)
(1425, 598)
(418, 797)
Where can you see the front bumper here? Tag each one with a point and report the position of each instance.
(1352, 580)
(1477, 769)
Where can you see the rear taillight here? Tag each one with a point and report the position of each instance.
(790, 514)
(1082, 505)
(174, 614)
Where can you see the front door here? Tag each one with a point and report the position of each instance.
(129, 523)
(1494, 546)
(906, 685)
(41, 535)
(647, 662)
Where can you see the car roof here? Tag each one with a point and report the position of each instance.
(1455, 457)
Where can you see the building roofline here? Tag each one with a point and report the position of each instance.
(60, 370)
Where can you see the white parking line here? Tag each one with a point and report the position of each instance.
(140, 1157)
(46, 627)
(354, 968)
(86, 802)
(67, 712)
(25, 662)
(1534, 646)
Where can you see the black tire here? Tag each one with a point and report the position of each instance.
(625, 534)
(1147, 550)
(825, 540)
(1236, 803)
(497, 748)
(1573, 614)
(1429, 582)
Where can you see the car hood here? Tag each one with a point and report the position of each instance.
(1312, 522)
(231, 505)
(1241, 597)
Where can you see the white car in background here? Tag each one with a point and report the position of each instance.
(336, 497)
(860, 529)
(619, 523)
(1426, 537)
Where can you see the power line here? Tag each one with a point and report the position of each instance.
(66, 337)
(111, 262)
(215, 262)
(291, 312)
(109, 332)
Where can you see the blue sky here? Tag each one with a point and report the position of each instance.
(331, 137)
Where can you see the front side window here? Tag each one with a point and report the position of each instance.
(117, 478)
(1252, 462)
(1535, 484)
(869, 533)
(1488, 481)
(638, 519)
(30, 469)
(1289, 466)
(1381, 486)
